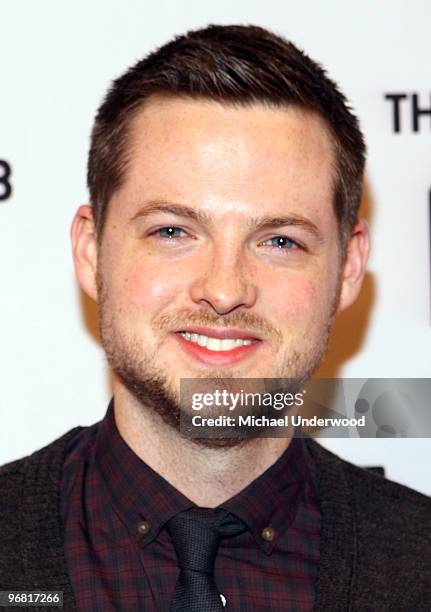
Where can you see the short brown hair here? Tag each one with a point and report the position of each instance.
(234, 64)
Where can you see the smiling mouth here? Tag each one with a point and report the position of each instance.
(217, 344)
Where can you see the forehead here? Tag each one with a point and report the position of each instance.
(215, 155)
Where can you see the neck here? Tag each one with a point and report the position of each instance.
(206, 476)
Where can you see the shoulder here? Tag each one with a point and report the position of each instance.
(379, 498)
(389, 523)
(28, 494)
(15, 469)
(379, 529)
(40, 467)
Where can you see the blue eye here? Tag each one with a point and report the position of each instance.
(169, 232)
(282, 242)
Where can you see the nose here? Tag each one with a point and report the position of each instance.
(224, 282)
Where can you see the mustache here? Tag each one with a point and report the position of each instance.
(242, 320)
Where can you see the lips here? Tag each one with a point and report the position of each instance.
(218, 332)
(217, 346)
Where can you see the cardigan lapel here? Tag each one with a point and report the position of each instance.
(44, 560)
(338, 533)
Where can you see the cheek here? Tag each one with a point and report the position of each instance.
(294, 299)
(150, 289)
(301, 304)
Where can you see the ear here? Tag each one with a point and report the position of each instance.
(353, 270)
(84, 249)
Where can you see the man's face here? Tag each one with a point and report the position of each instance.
(224, 227)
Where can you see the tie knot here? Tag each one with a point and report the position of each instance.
(196, 537)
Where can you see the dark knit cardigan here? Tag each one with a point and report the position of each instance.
(375, 536)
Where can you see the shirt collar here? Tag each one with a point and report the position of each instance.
(271, 501)
(140, 494)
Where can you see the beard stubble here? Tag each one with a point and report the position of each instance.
(152, 389)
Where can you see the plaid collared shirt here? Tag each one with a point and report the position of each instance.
(120, 557)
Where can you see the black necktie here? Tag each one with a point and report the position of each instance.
(196, 534)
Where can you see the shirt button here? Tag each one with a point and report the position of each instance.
(268, 534)
(143, 528)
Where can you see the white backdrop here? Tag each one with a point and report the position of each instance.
(57, 59)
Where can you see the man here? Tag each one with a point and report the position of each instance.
(222, 237)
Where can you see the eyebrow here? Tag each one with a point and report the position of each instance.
(202, 217)
(175, 209)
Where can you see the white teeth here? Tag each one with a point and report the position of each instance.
(228, 344)
(215, 344)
